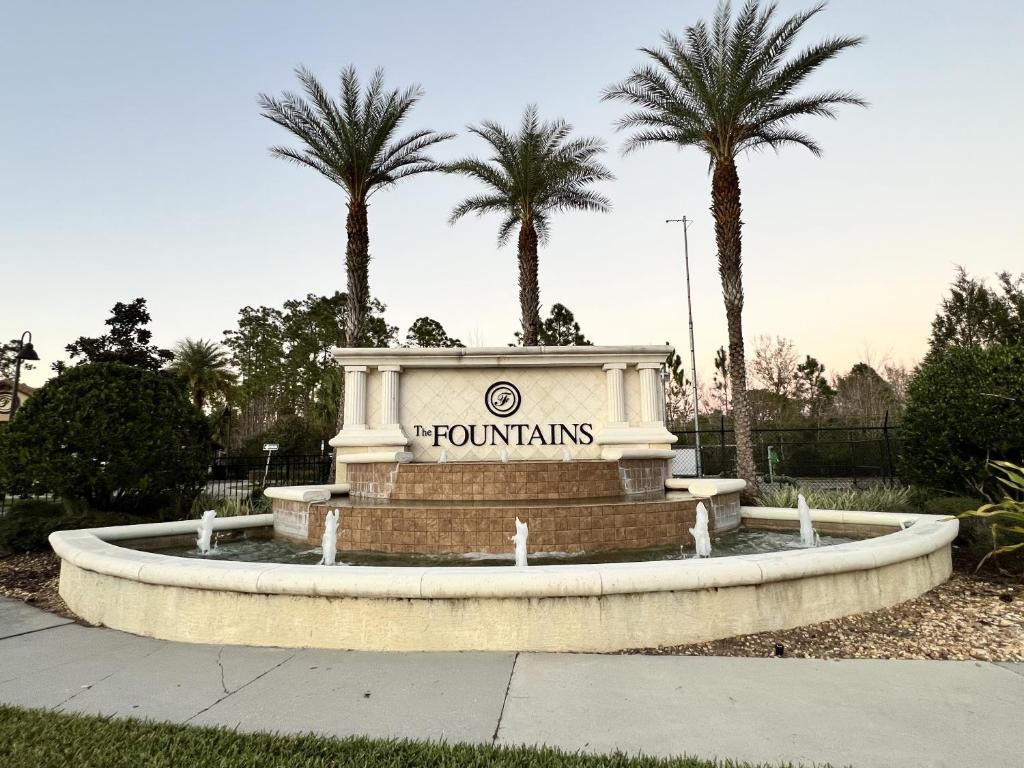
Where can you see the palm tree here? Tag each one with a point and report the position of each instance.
(532, 174)
(204, 368)
(727, 89)
(352, 142)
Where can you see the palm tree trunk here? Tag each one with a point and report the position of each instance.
(529, 286)
(727, 211)
(357, 267)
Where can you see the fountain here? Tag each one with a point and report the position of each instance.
(522, 534)
(701, 537)
(424, 496)
(205, 531)
(808, 537)
(329, 543)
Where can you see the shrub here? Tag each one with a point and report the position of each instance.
(1006, 518)
(965, 406)
(27, 525)
(254, 503)
(879, 498)
(111, 437)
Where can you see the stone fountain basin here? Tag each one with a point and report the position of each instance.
(586, 607)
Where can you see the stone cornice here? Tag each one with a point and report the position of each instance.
(472, 357)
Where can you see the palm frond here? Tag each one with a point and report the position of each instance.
(538, 169)
(728, 86)
(352, 140)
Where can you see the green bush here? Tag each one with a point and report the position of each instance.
(879, 498)
(27, 525)
(1005, 519)
(110, 437)
(965, 407)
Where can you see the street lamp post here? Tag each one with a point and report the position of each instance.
(693, 353)
(25, 352)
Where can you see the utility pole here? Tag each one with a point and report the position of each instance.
(693, 354)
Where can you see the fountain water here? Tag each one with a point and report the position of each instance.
(329, 543)
(522, 534)
(701, 537)
(443, 458)
(205, 531)
(566, 453)
(503, 455)
(808, 538)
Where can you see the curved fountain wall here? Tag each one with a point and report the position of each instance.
(602, 607)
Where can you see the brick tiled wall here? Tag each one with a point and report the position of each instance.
(481, 527)
(514, 481)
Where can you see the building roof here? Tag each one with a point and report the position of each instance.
(6, 385)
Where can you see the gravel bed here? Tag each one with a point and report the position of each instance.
(33, 578)
(978, 617)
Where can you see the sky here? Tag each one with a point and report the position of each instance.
(134, 162)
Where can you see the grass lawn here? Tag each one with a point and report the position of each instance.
(40, 739)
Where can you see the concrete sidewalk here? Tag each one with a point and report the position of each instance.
(860, 713)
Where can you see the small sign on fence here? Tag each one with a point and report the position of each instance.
(270, 446)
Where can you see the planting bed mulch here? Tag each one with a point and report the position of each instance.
(32, 577)
(978, 617)
(971, 616)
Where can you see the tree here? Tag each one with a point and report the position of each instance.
(975, 315)
(427, 332)
(560, 329)
(678, 393)
(725, 90)
(862, 396)
(812, 388)
(531, 175)
(353, 143)
(965, 407)
(284, 359)
(719, 396)
(204, 368)
(774, 364)
(9, 359)
(127, 342)
(110, 436)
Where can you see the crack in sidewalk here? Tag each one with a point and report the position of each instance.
(239, 688)
(220, 664)
(508, 687)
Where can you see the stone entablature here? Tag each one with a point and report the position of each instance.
(476, 404)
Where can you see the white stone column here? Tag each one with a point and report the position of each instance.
(389, 396)
(616, 394)
(355, 397)
(652, 396)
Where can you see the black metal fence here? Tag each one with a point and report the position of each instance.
(849, 452)
(241, 476)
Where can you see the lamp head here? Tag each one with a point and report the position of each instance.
(27, 352)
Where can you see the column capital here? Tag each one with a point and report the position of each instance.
(389, 368)
(613, 367)
(648, 366)
(356, 369)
